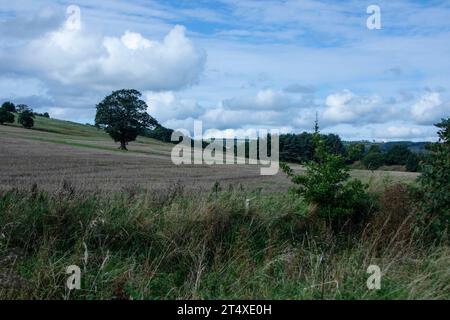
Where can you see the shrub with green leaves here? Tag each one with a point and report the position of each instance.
(6, 116)
(26, 119)
(398, 154)
(326, 185)
(373, 160)
(9, 106)
(413, 163)
(435, 181)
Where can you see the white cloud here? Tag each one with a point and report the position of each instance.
(402, 132)
(166, 106)
(74, 56)
(429, 108)
(269, 99)
(346, 107)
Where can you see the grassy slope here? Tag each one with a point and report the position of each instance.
(76, 134)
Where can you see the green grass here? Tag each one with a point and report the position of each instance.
(173, 244)
(64, 127)
(78, 135)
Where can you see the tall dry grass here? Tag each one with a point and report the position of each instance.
(178, 244)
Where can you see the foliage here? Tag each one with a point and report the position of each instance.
(355, 152)
(22, 107)
(326, 185)
(6, 116)
(435, 181)
(299, 148)
(9, 106)
(160, 133)
(45, 114)
(175, 245)
(123, 115)
(26, 118)
(413, 163)
(334, 145)
(373, 159)
(398, 154)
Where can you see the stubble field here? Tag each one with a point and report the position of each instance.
(57, 151)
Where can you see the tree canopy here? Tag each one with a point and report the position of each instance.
(398, 154)
(123, 115)
(435, 181)
(6, 116)
(26, 118)
(9, 106)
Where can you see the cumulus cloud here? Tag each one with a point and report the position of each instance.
(72, 55)
(402, 132)
(268, 99)
(166, 106)
(429, 108)
(346, 107)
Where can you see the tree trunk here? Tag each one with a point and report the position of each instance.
(123, 145)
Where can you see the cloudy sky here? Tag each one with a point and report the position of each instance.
(237, 65)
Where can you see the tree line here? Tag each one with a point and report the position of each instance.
(299, 148)
(26, 115)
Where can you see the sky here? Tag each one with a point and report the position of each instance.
(236, 65)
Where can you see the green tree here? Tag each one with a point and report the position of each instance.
(334, 144)
(398, 154)
(21, 108)
(26, 118)
(9, 106)
(412, 163)
(355, 152)
(374, 158)
(435, 181)
(326, 185)
(6, 116)
(46, 115)
(123, 115)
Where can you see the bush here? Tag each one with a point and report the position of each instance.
(435, 182)
(355, 152)
(412, 163)
(398, 154)
(6, 116)
(9, 106)
(373, 160)
(326, 186)
(26, 119)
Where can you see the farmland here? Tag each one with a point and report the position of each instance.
(142, 228)
(56, 150)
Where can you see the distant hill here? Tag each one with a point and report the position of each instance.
(416, 147)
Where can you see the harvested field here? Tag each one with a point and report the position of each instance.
(88, 159)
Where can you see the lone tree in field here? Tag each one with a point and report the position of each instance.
(26, 118)
(123, 115)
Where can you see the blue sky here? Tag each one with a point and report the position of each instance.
(236, 65)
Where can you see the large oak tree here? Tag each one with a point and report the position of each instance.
(123, 115)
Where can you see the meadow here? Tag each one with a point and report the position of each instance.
(141, 228)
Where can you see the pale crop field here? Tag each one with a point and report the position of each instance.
(57, 151)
